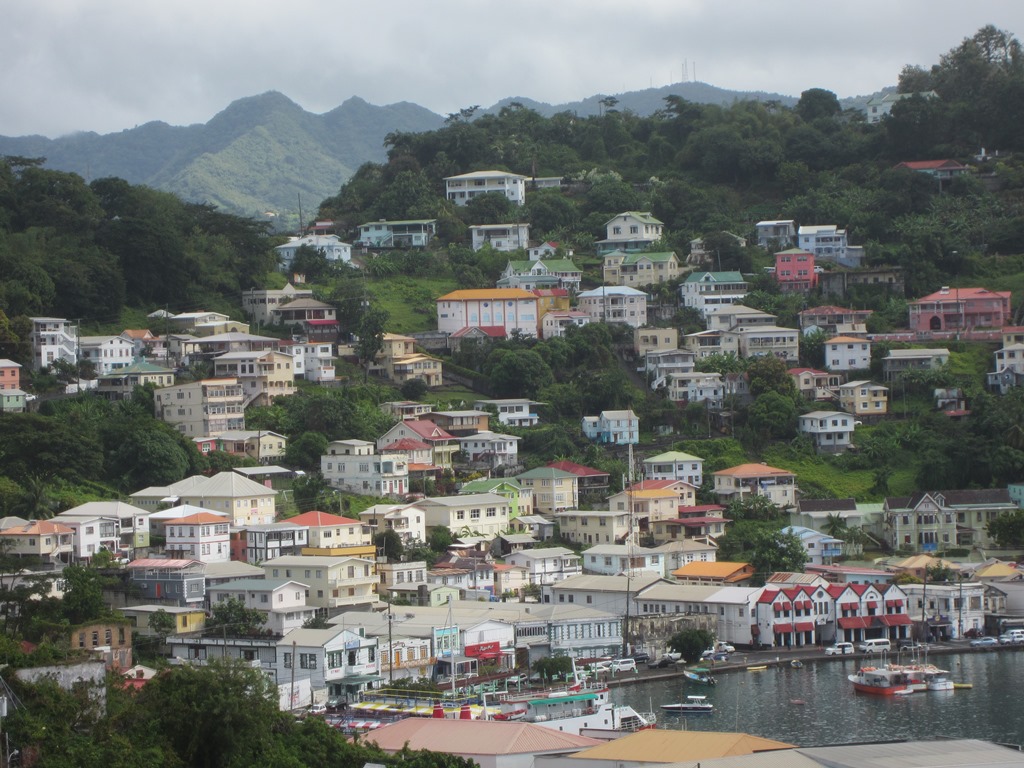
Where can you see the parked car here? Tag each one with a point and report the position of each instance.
(1012, 637)
(724, 647)
(662, 663)
(984, 642)
(839, 649)
(641, 657)
(712, 655)
(336, 704)
(316, 710)
(623, 665)
(974, 632)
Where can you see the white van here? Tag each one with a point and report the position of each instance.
(877, 645)
(1012, 637)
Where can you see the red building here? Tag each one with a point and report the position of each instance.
(794, 271)
(960, 309)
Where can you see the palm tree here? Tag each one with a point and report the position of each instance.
(834, 526)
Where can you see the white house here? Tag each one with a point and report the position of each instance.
(819, 547)
(630, 231)
(107, 353)
(780, 233)
(259, 303)
(675, 465)
(615, 304)
(501, 237)
(338, 662)
(513, 411)
(91, 534)
(695, 387)
(831, 431)
(355, 466)
(330, 247)
(826, 241)
(615, 427)
(705, 290)
(846, 353)
(548, 565)
(464, 187)
(204, 536)
(408, 521)
(513, 310)
(282, 600)
(485, 514)
(622, 559)
(555, 322)
(53, 338)
(491, 448)
(414, 233)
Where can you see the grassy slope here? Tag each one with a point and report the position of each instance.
(411, 301)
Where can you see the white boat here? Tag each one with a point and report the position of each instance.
(692, 705)
(900, 679)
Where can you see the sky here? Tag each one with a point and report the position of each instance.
(110, 65)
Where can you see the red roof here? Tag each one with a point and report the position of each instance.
(894, 620)
(654, 485)
(962, 294)
(693, 522)
(577, 469)
(702, 508)
(406, 444)
(782, 629)
(557, 292)
(930, 165)
(854, 622)
(427, 429)
(317, 519)
(804, 626)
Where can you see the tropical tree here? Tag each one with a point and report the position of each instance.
(691, 643)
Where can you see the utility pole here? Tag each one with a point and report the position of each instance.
(960, 607)
(291, 694)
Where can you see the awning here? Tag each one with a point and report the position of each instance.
(808, 605)
(872, 605)
(561, 699)
(891, 603)
(853, 622)
(805, 626)
(782, 629)
(894, 620)
(357, 679)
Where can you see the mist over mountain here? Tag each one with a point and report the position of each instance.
(264, 154)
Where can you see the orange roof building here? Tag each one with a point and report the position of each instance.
(738, 482)
(512, 309)
(719, 573)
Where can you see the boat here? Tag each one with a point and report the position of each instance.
(796, 664)
(758, 668)
(692, 705)
(700, 675)
(583, 708)
(962, 686)
(900, 679)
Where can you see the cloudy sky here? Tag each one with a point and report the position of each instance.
(107, 65)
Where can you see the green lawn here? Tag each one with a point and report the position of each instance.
(821, 474)
(410, 302)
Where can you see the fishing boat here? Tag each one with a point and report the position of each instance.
(900, 679)
(699, 675)
(796, 664)
(758, 668)
(692, 705)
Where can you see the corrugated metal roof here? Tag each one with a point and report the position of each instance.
(475, 737)
(667, 746)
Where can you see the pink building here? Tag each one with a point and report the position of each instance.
(10, 374)
(960, 309)
(794, 271)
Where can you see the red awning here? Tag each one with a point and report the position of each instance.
(805, 626)
(895, 620)
(891, 603)
(848, 606)
(808, 605)
(872, 604)
(853, 622)
(782, 629)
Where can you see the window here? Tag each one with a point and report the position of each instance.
(307, 661)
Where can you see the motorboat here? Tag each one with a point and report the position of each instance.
(900, 679)
(699, 675)
(692, 705)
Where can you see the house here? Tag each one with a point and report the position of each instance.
(313, 360)
(132, 521)
(717, 573)
(630, 231)
(106, 353)
(820, 548)
(203, 536)
(265, 542)
(121, 384)
(588, 479)
(900, 361)
(622, 559)
(1009, 372)
(846, 353)
(780, 233)
(836, 321)
(512, 411)
(841, 283)
(355, 466)
(830, 431)
(91, 534)
(333, 535)
(947, 609)
(675, 465)
(702, 523)
(261, 375)
(960, 309)
(615, 304)
(187, 620)
(108, 639)
(510, 310)
(534, 274)
(464, 187)
(555, 323)
(758, 340)
(49, 541)
(407, 520)
(491, 449)
(879, 107)
(679, 551)
(864, 399)
(406, 409)
(647, 340)
(597, 526)
(461, 423)
(651, 500)
(699, 253)
(443, 444)
(729, 316)
(545, 566)
(659, 364)
(693, 387)
(794, 270)
(340, 660)
(202, 408)
(705, 290)
(614, 427)
(940, 520)
(179, 582)
(500, 237)
(778, 485)
(943, 170)
(553, 489)
(330, 247)
(640, 269)
(816, 385)
(334, 582)
(52, 339)
(825, 242)
(145, 343)
(479, 514)
(10, 375)
(260, 303)
(265, 447)
(317, 319)
(412, 233)
(546, 250)
(282, 600)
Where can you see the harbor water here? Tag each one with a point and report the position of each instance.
(816, 704)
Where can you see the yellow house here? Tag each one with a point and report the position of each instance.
(335, 536)
(864, 398)
(187, 620)
(655, 499)
(553, 489)
(38, 538)
(598, 526)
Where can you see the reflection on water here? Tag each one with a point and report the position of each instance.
(768, 704)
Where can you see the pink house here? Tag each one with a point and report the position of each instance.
(960, 309)
(10, 374)
(794, 271)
